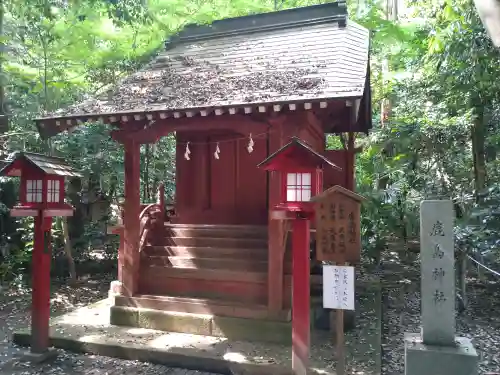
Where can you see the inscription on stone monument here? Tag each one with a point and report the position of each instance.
(438, 274)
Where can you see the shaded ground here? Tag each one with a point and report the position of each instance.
(362, 344)
(15, 314)
(401, 314)
(480, 322)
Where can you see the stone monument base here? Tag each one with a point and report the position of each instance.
(422, 359)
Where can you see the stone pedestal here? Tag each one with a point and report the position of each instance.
(115, 289)
(421, 359)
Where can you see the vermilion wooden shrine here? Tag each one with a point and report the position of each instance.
(233, 93)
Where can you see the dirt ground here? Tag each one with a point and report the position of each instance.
(480, 322)
(401, 314)
(15, 314)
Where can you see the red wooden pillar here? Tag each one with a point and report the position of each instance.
(276, 247)
(132, 210)
(120, 255)
(40, 309)
(350, 161)
(301, 296)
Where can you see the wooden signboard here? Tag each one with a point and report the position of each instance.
(338, 238)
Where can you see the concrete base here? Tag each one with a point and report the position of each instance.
(439, 360)
(37, 358)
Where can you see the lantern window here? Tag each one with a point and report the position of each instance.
(52, 191)
(34, 191)
(298, 187)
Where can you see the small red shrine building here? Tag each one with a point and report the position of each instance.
(232, 92)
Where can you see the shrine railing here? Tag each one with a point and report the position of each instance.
(149, 213)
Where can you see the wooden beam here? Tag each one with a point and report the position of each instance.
(238, 123)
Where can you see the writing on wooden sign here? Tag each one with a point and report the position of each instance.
(337, 213)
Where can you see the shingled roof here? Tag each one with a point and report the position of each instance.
(47, 164)
(309, 53)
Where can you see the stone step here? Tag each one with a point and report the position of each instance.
(214, 231)
(250, 265)
(233, 328)
(259, 254)
(243, 243)
(201, 306)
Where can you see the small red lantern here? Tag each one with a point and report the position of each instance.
(41, 196)
(301, 170)
(42, 184)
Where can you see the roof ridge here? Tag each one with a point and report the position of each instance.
(294, 17)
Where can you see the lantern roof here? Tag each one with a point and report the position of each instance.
(338, 189)
(296, 153)
(46, 164)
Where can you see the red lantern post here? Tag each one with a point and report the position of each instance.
(302, 179)
(42, 196)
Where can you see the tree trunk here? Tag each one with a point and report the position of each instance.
(3, 113)
(391, 13)
(68, 251)
(462, 281)
(478, 137)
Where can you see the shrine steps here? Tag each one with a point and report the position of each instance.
(206, 279)
(201, 306)
(226, 262)
(215, 231)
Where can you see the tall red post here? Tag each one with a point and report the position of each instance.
(40, 310)
(132, 210)
(301, 296)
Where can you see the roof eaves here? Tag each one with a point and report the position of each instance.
(318, 99)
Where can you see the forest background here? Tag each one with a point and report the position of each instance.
(435, 89)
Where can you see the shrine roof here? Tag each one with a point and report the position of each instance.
(303, 54)
(47, 164)
(338, 189)
(318, 158)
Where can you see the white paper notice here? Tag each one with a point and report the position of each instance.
(338, 287)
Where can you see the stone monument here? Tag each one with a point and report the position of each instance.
(436, 350)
